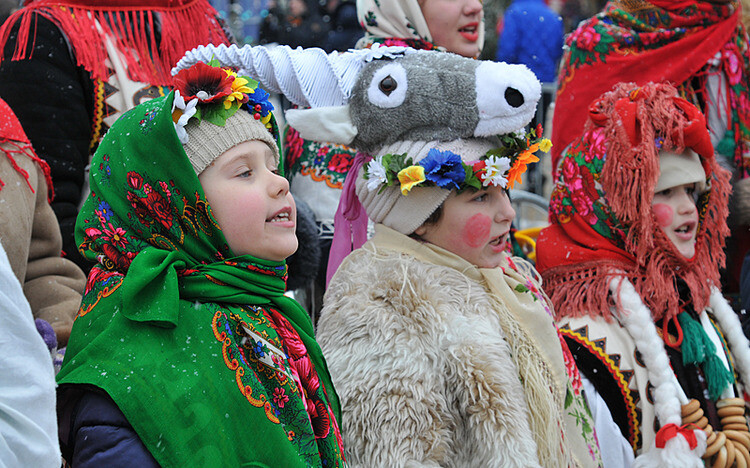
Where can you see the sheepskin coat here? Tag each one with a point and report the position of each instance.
(422, 367)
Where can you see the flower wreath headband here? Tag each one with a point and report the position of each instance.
(499, 167)
(220, 93)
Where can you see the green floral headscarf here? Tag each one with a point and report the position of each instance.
(208, 360)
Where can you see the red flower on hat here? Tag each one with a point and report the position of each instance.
(204, 82)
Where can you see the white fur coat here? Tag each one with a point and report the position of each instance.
(422, 368)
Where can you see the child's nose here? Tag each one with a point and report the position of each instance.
(279, 186)
(505, 212)
(686, 204)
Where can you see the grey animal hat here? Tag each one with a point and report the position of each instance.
(375, 97)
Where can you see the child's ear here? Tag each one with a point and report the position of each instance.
(420, 230)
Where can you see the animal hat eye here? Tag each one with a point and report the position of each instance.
(388, 86)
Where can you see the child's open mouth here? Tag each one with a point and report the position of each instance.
(282, 216)
(686, 231)
(498, 243)
(470, 32)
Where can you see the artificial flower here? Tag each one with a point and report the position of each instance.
(409, 177)
(494, 171)
(182, 112)
(204, 82)
(239, 89)
(375, 174)
(523, 159)
(444, 168)
(258, 97)
(545, 145)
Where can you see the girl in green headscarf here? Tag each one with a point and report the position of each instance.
(184, 332)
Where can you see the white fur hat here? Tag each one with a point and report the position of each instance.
(680, 169)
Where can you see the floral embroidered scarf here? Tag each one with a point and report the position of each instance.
(201, 350)
(393, 22)
(600, 209)
(635, 39)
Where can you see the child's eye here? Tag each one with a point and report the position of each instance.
(665, 192)
(480, 197)
(245, 174)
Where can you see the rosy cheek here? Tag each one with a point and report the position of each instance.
(476, 231)
(664, 214)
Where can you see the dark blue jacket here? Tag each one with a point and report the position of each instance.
(533, 36)
(94, 433)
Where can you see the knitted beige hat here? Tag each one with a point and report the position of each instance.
(207, 141)
(405, 213)
(680, 169)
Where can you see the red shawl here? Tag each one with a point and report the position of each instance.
(182, 25)
(600, 210)
(646, 42)
(14, 141)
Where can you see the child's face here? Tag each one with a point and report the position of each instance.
(474, 226)
(675, 211)
(251, 202)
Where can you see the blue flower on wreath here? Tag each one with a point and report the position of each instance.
(260, 97)
(444, 168)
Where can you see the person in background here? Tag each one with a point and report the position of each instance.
(345, 29)
(532, 34)
(302, 26)
(70, 68)
(30, 233)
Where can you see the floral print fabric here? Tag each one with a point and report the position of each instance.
(200, 349)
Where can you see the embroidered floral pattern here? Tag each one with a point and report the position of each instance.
(323, 162)
(619, 32)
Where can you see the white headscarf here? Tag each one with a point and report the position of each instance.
(399, 19)
(392, 18)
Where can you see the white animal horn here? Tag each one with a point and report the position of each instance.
(307, 77)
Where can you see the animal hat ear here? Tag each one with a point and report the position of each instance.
(695, 134)
(307, 77)
(626, 110)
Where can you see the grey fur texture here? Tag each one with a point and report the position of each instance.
(374, 97)
(447, 97)
(440, 102)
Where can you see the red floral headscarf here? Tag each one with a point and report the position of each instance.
(600, 209)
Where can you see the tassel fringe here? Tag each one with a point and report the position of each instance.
(181, 28)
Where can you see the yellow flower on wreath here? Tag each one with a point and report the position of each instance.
(239, 87)
(545, 145)
(409, 177)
